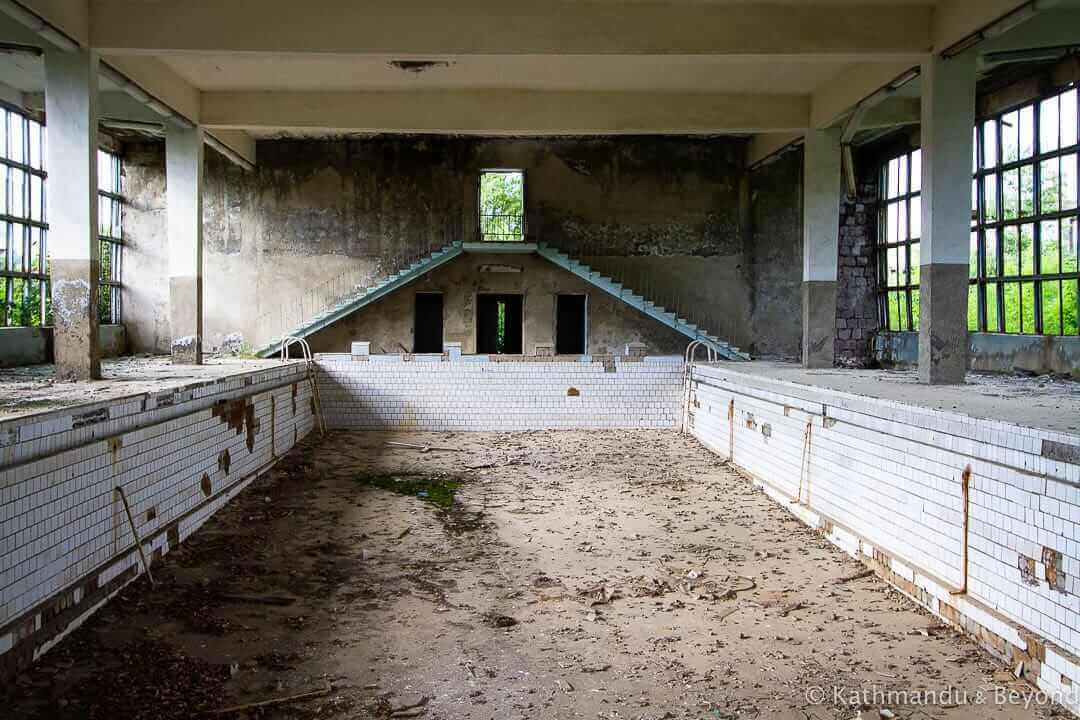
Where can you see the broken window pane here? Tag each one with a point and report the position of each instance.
(990, 198)
(1010, 137)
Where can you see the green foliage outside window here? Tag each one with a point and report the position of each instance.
(1024, 269)
(502, 205)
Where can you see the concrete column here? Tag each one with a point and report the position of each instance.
(71, 99)
(821, 237)
(948, 116)
(183, 177)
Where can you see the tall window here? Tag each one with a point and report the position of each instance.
(24, 273)
(110, 233)
(1023, 245)
(25, 297)
(1024, 276)
(898, 256)
(502, 206)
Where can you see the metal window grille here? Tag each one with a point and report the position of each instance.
(1024, 276)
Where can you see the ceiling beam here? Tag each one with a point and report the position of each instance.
(160, 82)
(495, 27)
(831, 102)
(765, 145)
(70, 18)
(955, 20)
(506, 112)
(237, 141)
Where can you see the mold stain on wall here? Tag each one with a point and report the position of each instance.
(314, 209)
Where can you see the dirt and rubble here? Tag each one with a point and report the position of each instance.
(525, 575)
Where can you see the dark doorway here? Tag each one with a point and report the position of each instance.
(498, 324)
(570, 325)
(428, 325)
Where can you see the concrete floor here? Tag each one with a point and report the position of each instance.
(571, 575)
(1048, 402)
(33, 389)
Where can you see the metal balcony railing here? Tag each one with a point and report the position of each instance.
(501, 228)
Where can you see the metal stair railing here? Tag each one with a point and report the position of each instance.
(637, 287)
(304, 308)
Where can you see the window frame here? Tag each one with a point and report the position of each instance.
(906, 289)
(111, 241)
(26, 278)
(524, 234)
(985, 231)
(981, 226)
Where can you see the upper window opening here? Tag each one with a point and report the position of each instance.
(502, 206)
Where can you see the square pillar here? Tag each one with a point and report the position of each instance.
(71, 108)
(183, 190)
(948, 119)
(821, 238)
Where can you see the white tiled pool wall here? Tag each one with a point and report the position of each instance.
(475, 392)
(883, 481)
(65, 542)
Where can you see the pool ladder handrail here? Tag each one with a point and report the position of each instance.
(286, 343)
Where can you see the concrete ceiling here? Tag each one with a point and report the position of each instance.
(264, 67)
(662, 73)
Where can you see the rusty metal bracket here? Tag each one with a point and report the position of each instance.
(965, 485)
(135, 534)
(731, 428)
(804, 464)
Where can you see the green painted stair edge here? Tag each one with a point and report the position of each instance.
(397, 280)
(639, 303)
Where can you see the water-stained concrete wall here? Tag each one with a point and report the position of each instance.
(663, 212)
(774, 255)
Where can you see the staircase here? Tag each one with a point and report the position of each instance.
(648, 307)
(359, 297)
(338, 304)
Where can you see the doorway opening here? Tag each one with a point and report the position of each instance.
(428, 323)
(570, 328)
(502, 206)
(498, 324)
